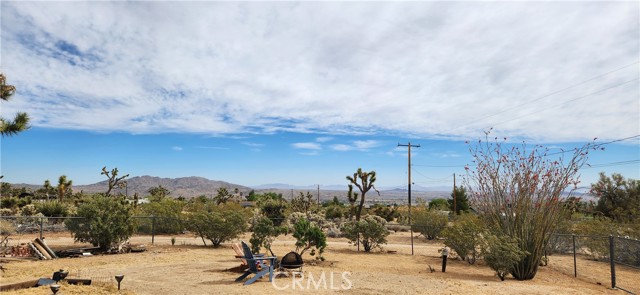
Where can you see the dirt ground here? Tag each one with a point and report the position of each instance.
(190, 268)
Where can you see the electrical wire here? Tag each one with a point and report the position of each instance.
(545, 96)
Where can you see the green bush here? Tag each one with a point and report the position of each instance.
(309, 236)
(263, 234)
(598, 248)
(273, 209)
(335, 211)
(217, 223)
(9, 202)
(389, 213)
(370, 231)
(106, 222)
(53, 209)
(502, 253)
(465, 237)
(168, 214)
(429, 223)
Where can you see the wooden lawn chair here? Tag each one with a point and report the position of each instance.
(256, 265)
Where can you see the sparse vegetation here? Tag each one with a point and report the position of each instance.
(309, 236)
(370, 232)
(465, 237)
(217, 223)
(429, 223)
(104, 222)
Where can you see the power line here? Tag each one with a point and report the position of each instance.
(566, 102)
(611, 164)
(547, 95)
(597, 145)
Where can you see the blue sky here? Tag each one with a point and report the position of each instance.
(305, 93)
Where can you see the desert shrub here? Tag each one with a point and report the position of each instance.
(309, 236)
(600, 228)
(502, 253)
(335, 211)
(217, 223)
(6, 211)
(389, 213)
(264, 233)
(315, 219)
(465, 237)
(105, 222)
(9, 202)
(370, 231)
(439, 204)
(396, 227)
(53, 209)
(273, 209)
(429, 223)
(28, 210)
(517, 189)
(169, 216)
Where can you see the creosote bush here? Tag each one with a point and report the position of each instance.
(465, 237)
(217, 223)
(502, 253)
(371, 232)
(429, 223)
(106, 222)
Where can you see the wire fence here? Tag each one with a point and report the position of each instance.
(144, 225)
(607, 254)
(591, 255)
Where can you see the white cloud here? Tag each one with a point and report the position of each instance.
(324, 139)
(432, 69)
(253, 144)
(307, 145)
(361, 145)
(177, 148)
(366, 144)
(341, 147)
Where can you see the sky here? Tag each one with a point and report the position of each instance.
(305, 93)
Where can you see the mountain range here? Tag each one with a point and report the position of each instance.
(194, 186)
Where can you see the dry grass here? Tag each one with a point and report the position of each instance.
(190, 268)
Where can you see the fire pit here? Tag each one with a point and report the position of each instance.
(292, 260)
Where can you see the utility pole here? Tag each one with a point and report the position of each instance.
(454, 194)
(409, 145)
(318, 195)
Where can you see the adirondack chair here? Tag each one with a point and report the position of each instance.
(239, 254)
(237, 247)
(256, 265)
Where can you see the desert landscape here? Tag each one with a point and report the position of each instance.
(188, 267)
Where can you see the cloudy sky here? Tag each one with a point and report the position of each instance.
(305, 93)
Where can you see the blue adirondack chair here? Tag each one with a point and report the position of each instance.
(258, 265)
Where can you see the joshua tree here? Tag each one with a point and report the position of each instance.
(21, 120)
(366, 183)
(518, 189)
(114, 181)
(64, 187)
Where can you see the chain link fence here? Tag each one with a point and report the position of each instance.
(594, 256)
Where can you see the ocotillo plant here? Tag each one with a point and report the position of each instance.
(518, 189)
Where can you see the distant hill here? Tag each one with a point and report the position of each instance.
(187, 187)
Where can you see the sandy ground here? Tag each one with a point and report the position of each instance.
(190, 268)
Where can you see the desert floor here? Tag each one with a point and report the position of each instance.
(190, 268)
